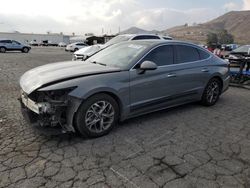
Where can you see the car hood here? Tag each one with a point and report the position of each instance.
(56, 72)
(89, 50)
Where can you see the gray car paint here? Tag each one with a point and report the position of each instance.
(127, 86)
(37, 77)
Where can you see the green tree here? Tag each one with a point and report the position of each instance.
(225, 38)
(212, 39)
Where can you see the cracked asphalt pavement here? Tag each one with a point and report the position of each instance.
(186, 147)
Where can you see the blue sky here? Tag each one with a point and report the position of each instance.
(83, 16)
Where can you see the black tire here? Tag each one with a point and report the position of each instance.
(84, 111)
(212, 92)
(76, 49)
(2, 49)
(25, 50)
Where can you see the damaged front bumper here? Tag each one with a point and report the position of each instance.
(50, 114)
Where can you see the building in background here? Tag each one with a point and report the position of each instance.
(91, 39)
(28, 37)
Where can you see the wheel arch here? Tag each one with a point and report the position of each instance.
(112, 94)
(220, 80)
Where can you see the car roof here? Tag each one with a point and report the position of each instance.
(156, 42)
(138, 34)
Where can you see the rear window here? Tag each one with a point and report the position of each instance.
(185, 54)
(243, 49)
(145, 37)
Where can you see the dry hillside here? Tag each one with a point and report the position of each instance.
(236, 22)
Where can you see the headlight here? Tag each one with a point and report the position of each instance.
(54, 95)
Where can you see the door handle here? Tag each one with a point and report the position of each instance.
(204, 70)
(171, 75)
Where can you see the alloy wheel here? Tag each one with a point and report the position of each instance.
(213, 92)
(100, 116)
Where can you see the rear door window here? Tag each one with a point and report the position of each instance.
(6, 41)
(163, 55)
(145, 37)
(185, 54)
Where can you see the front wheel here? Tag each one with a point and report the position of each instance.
(97, 116)
(2, 49)
(25, 50)
(212, 92)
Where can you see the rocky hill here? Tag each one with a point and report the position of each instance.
(236, 22)
(136, 30)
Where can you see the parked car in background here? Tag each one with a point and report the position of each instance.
(125, 80)
(62, 44)
(84, 54)
(75, 46)
(238, 55)
(12, 45)
(33, 43)
(229, 47)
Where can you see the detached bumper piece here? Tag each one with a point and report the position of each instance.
(44, 114)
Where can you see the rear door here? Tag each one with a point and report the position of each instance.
(153, 88)
(191, 69)
(7, 44)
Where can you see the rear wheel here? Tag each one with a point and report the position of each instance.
(2, 49)
(97, 116)
(25, 50)
(212, 92)
(76, 49)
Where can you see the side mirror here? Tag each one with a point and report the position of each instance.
(148, 65)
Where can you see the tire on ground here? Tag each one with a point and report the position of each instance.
(25, 50)
(2, 49)
(204, 100)
(80, 123)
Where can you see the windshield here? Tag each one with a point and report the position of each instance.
(243, 49)
(117, 39)
(93, 49)
(119, 55)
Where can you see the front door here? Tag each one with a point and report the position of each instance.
(153, 88)
(15, 45)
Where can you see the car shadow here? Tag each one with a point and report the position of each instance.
(129, 123)
(12, 52)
